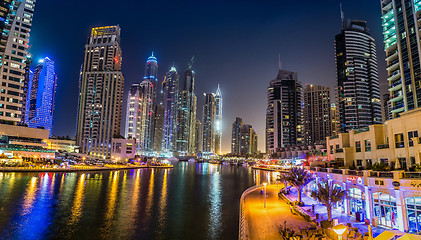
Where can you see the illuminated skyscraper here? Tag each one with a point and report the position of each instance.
(170, 95)
(209, 117)
(400, 19)
(317, 114)
(248, 140)
(357, 77)
(236, 136)
(284, 127)
(198, 137)
(101, 92)
(41, 94)
(16, 22)
(218, 120)
(186, 114)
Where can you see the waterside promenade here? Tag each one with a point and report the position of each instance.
(265, 223)
(77, 168)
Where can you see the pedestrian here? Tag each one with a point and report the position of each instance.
(312, 208)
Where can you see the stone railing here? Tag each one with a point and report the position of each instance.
(243, 228)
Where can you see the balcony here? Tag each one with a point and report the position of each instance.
(334, 137)
(383, 146)
(337, 171)
(412, 175)
(361, 130)
(355, 173)
(381, 174)
(322, 169)
(339, 150)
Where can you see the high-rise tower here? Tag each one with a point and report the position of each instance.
(16, 22)
(186, 114)
(400, 20)
(209, 117)
(41, 94)
(357, 77)
(284, 127)
(317, 114)
(101, 92)
(170, 88)
(218, 120)
(236, 136)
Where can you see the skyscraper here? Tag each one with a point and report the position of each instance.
(16, 21)
(101, 92)
(357, 77)
(209, 116)
(284, 127)
(138, 116)
(317, 114)
(198, 137)
(236, 136)
(218, 120)
(41, 94)
(248, 140)
(170, 88)
(186, 114)
(387, 114)
(159, 123)
(401, 39)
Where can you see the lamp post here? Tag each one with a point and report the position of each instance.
(339, 229)
(264, 184)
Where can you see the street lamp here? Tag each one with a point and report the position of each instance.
(264, 184)
(339, 229)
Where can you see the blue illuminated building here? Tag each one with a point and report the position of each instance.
(40, 98)
(170, 95)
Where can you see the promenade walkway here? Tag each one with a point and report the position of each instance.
(265, 223)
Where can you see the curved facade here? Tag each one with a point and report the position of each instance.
(357, 77)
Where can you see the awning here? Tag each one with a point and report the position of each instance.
(410, 237)
(389, 234)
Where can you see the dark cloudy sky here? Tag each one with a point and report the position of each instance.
(235, 44)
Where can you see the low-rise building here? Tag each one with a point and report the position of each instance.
(389, 199)
(61, 145)
(24, 142)
(123, 149)
(395, 140)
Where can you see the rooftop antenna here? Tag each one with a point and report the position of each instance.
(342, 14)
(191, 62)
(279, 62)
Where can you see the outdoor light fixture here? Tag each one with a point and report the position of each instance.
(339, 229)
(264, 184)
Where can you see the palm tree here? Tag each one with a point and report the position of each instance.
(299, 178)
(328, 195)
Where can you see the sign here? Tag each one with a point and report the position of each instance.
(354, 179)
(396, 183)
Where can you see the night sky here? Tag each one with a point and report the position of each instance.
(235, 44)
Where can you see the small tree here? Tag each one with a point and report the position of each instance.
(284, 178)
(328, 195)
(299, 178)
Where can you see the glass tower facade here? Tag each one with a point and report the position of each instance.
(170, 99)
(400, 20)
(41, 94)
(218, 120)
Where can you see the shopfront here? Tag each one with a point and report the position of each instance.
(356, 203)
(384, 207)
(413, 213)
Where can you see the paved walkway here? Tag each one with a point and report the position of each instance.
(265, 223)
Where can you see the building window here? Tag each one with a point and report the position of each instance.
(384, 207)
(367, 145)
(358, 146)
(356, 201)
(413, 213)
(359, 163)
(368, 162)
(331, 149)
(385, 161)
(412, 134)
(399, 143)
(337, 146)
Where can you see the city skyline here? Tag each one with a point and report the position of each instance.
(269, 24)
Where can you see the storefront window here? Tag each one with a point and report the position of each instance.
(385, 209)
(356, 201)
(413, 211)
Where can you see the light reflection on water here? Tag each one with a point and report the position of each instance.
(195, 200)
